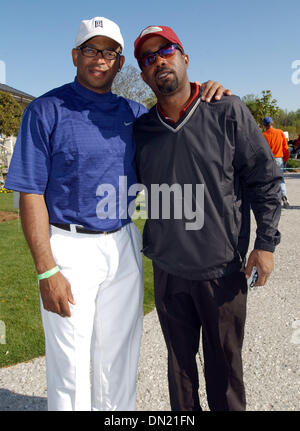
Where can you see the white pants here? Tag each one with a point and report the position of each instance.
(105, 328)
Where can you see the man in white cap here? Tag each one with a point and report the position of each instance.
(75, 142)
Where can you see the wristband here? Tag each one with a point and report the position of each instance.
(48, 274)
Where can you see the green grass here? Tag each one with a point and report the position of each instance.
(6, 202)
(293, 163)
(19, 293)
(148, 276)
(19, 298)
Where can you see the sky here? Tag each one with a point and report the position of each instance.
(248, 46)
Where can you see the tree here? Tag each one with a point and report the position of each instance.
(284, 120)
(262, 107)
(10, 115)
(266, 106)
(128, 83)
(151, 101)
(250, 102)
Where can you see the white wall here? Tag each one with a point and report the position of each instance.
(8, 144)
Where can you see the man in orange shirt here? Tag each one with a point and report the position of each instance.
(279, 146)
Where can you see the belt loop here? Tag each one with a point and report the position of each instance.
(73, 228)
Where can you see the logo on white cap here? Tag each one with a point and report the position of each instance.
(98, 26)
(150, 30)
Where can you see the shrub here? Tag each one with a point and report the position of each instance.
(4, 190)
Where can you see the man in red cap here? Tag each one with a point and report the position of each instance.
(214, 89)
(214, 159)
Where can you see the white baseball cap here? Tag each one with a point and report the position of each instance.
(98, 26)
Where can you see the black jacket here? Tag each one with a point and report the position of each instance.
(219, 145)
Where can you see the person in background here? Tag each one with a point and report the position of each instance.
(279, 146)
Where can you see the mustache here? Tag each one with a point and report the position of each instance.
(98, 69)
(162, 69)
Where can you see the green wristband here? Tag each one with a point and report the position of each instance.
(48, 274)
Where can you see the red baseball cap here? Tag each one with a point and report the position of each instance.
(155, 30)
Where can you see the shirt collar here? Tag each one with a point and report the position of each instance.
(195, 90)
(91, 95)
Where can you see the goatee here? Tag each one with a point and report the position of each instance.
(169, 86)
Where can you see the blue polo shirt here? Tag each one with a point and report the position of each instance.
(76, 148)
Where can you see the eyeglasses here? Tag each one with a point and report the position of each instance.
(164, 52)
(107, 54)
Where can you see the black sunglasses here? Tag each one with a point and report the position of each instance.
(164, 52)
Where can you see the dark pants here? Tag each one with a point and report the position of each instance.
(219, 308)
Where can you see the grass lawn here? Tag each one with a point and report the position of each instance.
(6, 202)
(293, 163)
(19, 294)
(19, 298)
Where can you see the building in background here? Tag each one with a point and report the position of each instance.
(19, 96)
